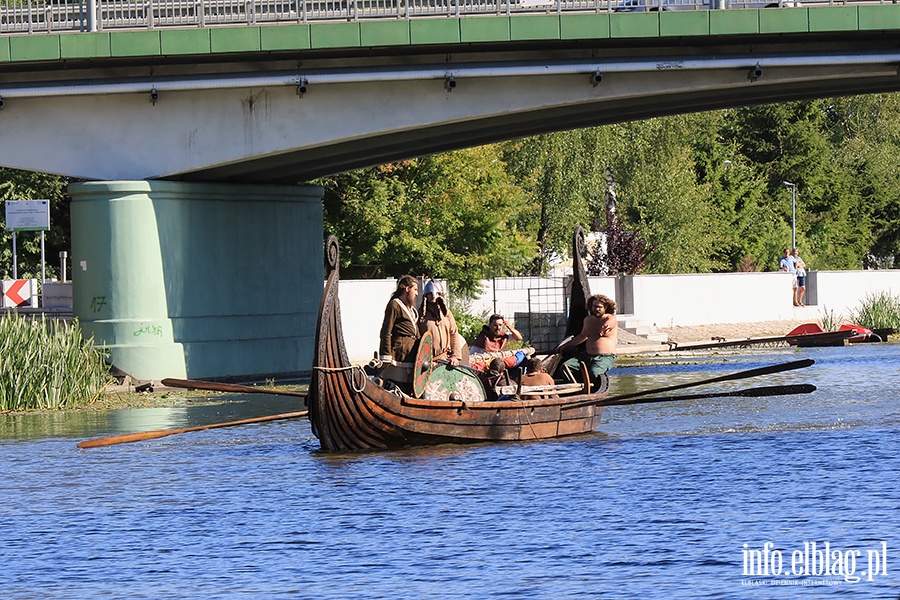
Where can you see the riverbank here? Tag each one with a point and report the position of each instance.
(633, 344)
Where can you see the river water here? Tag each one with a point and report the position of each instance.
(713, 498)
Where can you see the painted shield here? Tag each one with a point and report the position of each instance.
(454, 383)
(423, 365)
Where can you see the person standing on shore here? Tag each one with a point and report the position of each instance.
(787, 264)
(800, 272)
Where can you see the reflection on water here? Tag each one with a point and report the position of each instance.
(184, 412)
(658, 503)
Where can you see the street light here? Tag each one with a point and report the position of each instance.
(793, 187)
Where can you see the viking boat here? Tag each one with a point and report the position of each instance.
(351, 411)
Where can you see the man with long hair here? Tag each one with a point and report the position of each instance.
(600, 336)
(400, 329)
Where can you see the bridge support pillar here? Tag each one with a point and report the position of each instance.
(196, 280)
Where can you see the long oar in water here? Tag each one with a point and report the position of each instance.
(127, 438)
(772, 390)
(215, 386)
(772, 369)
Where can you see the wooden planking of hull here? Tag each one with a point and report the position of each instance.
(350, 412)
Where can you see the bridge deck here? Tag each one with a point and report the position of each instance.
(171, 28)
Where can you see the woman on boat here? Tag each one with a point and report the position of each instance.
(400, 330)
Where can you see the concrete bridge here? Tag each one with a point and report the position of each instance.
(195, 251)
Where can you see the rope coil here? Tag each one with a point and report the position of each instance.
(352, 368)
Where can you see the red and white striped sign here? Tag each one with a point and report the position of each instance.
(18, 292)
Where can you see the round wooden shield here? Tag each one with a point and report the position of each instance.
(423, 365)
(454, 383)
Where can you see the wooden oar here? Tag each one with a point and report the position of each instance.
(214, 386)
(772, 390)
(127, 438)
(780, 368)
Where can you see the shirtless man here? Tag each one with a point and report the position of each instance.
(599, 333)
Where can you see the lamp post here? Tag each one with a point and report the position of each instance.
(793, 187)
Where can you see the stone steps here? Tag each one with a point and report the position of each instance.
(634, 325)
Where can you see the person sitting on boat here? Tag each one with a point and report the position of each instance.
(495, 336)
(400, 329)
(599, 334)
(536, 375)
(495, 376)
(439, 321)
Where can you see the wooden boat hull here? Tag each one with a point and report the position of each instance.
(351, 412)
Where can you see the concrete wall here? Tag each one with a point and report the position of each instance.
(660, 300)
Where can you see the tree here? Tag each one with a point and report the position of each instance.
(451, 215)
(563, 175)
(660, 195)
(16, 184)
(866, 134)
(795, 141)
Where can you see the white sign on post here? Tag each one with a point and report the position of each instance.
(28, 215)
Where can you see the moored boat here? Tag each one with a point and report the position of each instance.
(812, 335)
(351, 411)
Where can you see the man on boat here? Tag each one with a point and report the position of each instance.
(599, 334)
(495, 336)
(400, 329)
(439, 321)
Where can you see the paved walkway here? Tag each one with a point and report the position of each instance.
(632, 344)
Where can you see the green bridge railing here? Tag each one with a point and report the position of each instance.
(47, 16)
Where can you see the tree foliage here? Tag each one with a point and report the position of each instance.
(452, 216)
(16, 184)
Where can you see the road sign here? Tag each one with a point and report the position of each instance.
(18, 292)
(28, 215)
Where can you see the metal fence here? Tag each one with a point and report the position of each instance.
(537, 306)
(45, 16)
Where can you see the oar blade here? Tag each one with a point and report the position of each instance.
(779, 390)
(772, 390)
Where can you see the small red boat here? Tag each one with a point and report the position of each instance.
(812, 334)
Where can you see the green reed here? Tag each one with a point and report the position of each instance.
(47, 364)
(831, 320)
(876, 311)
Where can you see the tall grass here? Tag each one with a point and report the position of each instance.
(831, 320)
(876, 311)
(47, 364)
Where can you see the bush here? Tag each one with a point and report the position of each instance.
(878, 311)
(470, 325)
(47, 364)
